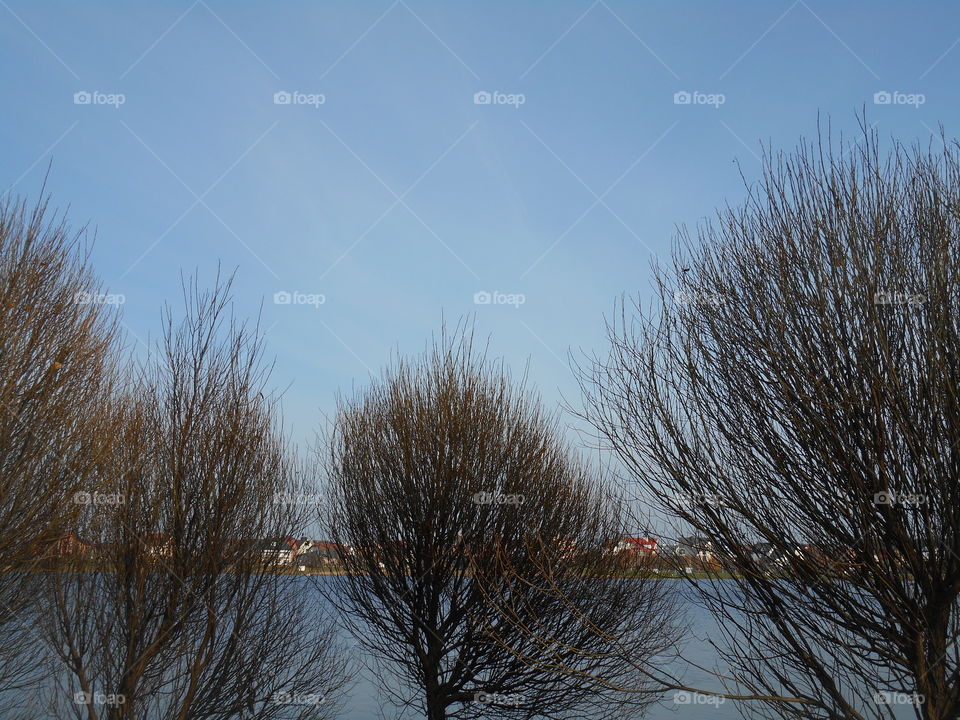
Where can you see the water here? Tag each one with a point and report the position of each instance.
(364, 704)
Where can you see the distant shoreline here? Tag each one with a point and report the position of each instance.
(293, 571)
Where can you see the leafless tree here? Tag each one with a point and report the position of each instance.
(57, 341)
(796, 386)
(169, 610)
(460, 512)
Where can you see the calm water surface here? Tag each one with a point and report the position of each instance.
(364, 704)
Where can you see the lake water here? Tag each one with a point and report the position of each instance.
(363, 703)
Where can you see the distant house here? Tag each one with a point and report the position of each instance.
(642, 546)
(158, 545)
(770, 557)
(310, 560)
(694, 547)
(305, 545)
(391, 553)
(331, 550)
(320, 555)
(70, 544)
(840, 559)
(277, 551)
(764, 555)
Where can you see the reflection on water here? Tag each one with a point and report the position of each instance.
(363, 703)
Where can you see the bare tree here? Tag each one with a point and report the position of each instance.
(169, 610)
(57, 338)
(793, 400)
(460, 511)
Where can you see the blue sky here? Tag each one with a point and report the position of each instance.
(399, 197)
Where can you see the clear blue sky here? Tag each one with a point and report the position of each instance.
(398, 198)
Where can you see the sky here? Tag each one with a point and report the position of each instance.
(369, 169)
